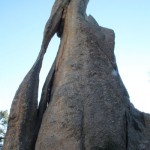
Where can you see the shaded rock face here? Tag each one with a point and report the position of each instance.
(84, 104)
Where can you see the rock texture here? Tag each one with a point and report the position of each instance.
(24, 115)
(84, 104)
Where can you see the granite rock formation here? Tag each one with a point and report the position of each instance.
(84, 104)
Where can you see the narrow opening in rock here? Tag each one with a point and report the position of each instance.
(48, 61)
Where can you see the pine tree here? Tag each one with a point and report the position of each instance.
(3, 123)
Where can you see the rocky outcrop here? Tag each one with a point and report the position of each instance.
(84, 104)
(24, 115)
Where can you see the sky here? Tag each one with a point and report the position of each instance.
(21, 31)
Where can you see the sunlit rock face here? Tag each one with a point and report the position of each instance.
(84, 104)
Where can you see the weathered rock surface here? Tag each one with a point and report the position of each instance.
(24, 115)
(84, 104)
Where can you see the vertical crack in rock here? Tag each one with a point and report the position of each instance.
(45, 99)
(82, 130)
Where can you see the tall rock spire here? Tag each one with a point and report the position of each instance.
(84, 104)
(24, 114)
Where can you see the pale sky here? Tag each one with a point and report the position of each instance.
(21, 30)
